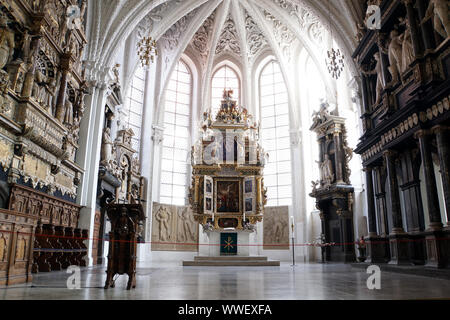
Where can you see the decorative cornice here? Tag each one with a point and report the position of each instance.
(412, 122)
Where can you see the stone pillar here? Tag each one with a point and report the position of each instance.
(430, 180)
(442, 134)
(338, 159)
(370, 202)
(89, 157)
(397, 227)
(375, 245)
(398, 239)
(435, 244)
(414, 29)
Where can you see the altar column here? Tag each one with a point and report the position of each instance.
(259, 204)
(435, 246)
(338, 160)
(398, 238)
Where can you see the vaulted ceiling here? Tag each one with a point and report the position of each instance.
(212, 28)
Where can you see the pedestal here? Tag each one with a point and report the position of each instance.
(376, 249)
(437, 251)
(213, 242)
(399, 249)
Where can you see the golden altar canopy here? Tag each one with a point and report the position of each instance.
(227, 189)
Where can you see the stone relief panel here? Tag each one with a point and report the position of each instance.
(228, 40)
(202, 38)
(173, 229)
(276, 228)
(255, 38)
(283, 35)
(308, 22)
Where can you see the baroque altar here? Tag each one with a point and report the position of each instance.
(227, 192)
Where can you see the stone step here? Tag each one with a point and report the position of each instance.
(234, 262)
(230, 258)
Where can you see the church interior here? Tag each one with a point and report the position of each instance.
(224, 149)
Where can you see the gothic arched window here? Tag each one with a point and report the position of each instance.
(176, 143)
(274, 110)
(135, 107)
(224, 78)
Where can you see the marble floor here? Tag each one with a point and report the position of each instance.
(170, 281)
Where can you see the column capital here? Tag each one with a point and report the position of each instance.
(368, 169)
(440, 129)
(407, 2)
(158, 134)
(389, 153)
(422, 133)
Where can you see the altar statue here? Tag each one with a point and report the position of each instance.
(327, 171)
(439, 11)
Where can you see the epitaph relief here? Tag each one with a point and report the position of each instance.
(174, 229)
(276, 228)
(333, 191)
(42, 89)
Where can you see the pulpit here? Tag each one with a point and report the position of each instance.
(125, 219)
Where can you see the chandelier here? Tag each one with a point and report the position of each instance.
(335, 63)
(335, 59)
(147, 51)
